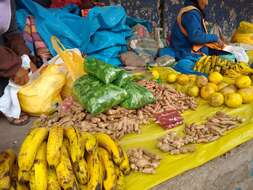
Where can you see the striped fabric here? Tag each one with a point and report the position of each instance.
(34, 41)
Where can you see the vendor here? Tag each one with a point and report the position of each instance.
(189, 37)
(12, 47)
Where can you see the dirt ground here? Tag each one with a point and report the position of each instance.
(233, 171)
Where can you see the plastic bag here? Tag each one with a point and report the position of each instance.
(123, 78)
(86, 85)
(230, 57)
(9, 103)
(165, 60)
(250, 54)
(105, 98)
(42, 95)
(244, 34)
(239, 52)
(138, 96)
(131, 59)
(104, 72)
(73, 61)
(96, 97)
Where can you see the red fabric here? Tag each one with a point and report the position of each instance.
(80, 3)
(85, 12)
(62, 3)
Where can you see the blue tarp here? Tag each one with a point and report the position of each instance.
(103, 33)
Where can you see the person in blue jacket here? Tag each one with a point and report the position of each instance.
(189, 32)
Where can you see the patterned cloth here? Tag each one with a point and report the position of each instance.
(34, 41)
(62, 3)
(85, 12)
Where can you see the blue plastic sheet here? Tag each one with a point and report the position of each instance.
(105, 28)
(167, 51)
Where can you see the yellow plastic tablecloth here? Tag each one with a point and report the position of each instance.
(172, 166)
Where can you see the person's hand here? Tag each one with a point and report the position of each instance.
(33, 67)
(221, 43)
(21, 77)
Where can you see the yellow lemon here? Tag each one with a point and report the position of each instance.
(193, 91)
(228, 89)
(216, 99)
(247, 94)
(242, 81)
(215, 77)
(206, 91)
(155, 74)
(214, 86)
(172, 77)
(221, 86)
(233, 100)
(182, 79)
(201, 81)
(192, 78)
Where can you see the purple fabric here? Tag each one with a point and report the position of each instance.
(5, 16)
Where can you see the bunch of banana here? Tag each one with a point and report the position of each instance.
(208, 64)
(67, 158)
(7, 168)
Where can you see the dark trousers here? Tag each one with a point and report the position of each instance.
(3, 83)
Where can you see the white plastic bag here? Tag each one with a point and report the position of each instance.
(9, 104)
(239, 52)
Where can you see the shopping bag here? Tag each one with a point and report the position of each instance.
(250, 54)
(73, 62)
(239, 53)
(244, 34)
(42, 94)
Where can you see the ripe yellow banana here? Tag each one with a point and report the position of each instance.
(23, 176)
(22, 187)
(101, 174)
(89, 141)
(76, 150)
(93, 166)
(108, 143)
(54, 144)
(124, 165)
(12, 157)
(110, 173)
(7, 159)
(32, 184)
(30, 146)
(14, 172)
(81, 171)
(82, 187)
(66, 144)
(52, 181)
(40, 168)
(120, 184)
(199, 64)
(64, 170)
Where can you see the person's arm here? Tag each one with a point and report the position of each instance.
(10, 62)
(10, 66)
(193, 24)
(14, 41)
(12, 37)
